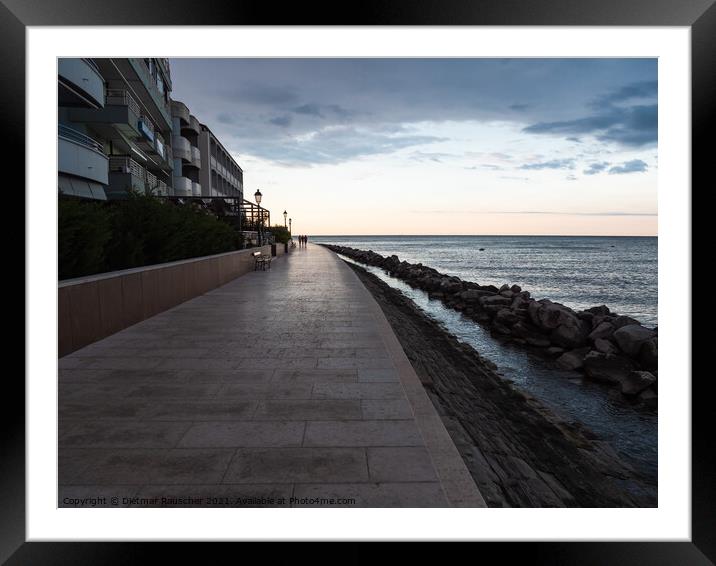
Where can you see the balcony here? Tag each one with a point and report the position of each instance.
(161, 189)
(81, 83)
(183, 187)
(126, 174)
(147, 134)
(180, 110)
(181, 148)
(194, 124)
(121, 111)
(150, 86)
(81, 156)
(196, 157)
(195, 189)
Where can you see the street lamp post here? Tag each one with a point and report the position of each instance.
(289, 226)
(285, 214)
(257, 196)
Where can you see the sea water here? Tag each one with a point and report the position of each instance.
(577, 271)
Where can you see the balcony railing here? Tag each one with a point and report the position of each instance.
(146, 128)
(161, 189)
(121, 97)
(196, 156)
(159, 145)
(78, 137)
(151, 180)
(182, 147)
(125, 164)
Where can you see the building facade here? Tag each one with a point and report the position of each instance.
(115, 127)
(119, 130)
(221, 176)
(203, 167)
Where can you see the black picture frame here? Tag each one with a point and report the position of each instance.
(699, 15)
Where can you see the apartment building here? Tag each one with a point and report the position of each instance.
(221, 176)
(115, 127)
(119, 130)
(187, 157)
(203, 167)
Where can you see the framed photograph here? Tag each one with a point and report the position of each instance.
(398, 278)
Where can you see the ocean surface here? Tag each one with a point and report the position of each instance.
(579, 272)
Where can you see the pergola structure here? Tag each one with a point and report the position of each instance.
(250, 216)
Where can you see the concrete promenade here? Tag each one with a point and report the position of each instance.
(281, 384)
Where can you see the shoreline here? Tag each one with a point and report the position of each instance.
(519, 452)
(614, 350)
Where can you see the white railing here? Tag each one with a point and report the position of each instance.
(125, 164)
(121, 97)
(78, 137)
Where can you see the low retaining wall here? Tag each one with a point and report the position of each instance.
(92, 308)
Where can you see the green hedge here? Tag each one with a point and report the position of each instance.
(95, 237)
(280, 234)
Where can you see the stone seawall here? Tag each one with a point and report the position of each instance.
(608, 348)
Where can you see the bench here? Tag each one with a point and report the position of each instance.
(261, 260)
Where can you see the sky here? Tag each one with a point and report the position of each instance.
(438, 146)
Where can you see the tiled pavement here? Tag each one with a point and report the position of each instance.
(283, 387)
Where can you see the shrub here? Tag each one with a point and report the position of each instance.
(83, 230)
(140, 230)
(280, 233)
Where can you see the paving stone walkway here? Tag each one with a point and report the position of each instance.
(282, 388)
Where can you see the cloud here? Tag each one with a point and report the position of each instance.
(336, 145)
(634, 125)
(633, 166)
(643, 89)
(283, 121)
(264, 94)
(225, 118)
(433, 156)
(552, 164)
(595, 168)
(382, 95)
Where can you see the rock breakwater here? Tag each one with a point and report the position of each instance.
(606, 347)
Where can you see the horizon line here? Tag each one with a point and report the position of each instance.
(488, 235)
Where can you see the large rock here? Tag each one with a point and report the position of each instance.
(494, 290)
(530, 334)
(620, 321)
(600, 310)
(473, 295)
(631, 337)
(605, 346)
(607, 368)
(495, 300)
(636, 382)
(571, 334)
(649, 398)
(649, 354)
(451, 285)
(574, 359)
(506, 317)
(548, 315)
(555, 351)
(602, 330)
